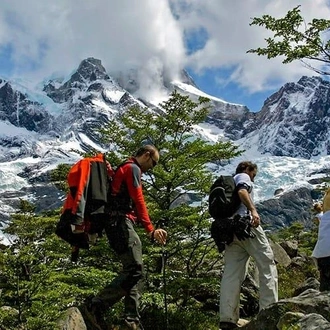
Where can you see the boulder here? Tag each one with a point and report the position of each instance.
(310, 283)
(290, 247)
(309, 302)
(72, 320)
(280, 255)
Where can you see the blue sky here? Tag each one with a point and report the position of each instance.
(231, 92)
(209, 38)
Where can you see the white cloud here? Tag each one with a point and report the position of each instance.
(230, 36)
(57, 35)
(54, 36)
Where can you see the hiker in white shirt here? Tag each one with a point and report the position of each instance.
(237, 255)
(318, 209)
(321, 250)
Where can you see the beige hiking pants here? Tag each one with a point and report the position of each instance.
(237, 255)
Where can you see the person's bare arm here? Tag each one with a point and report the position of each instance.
(246, 200)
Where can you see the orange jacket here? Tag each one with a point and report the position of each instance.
(88, 183)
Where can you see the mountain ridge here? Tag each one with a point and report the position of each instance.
(90, 87)
(43, 129)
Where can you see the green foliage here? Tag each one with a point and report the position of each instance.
(39, 281)
(294, 39)
(293, 276)
(180, 178)
(307, 241)
(306, 238)
(193, 318)
(291, 327)
(59, 175)
(190, 316)
(289, 233)
(181, 169)
(182, 165)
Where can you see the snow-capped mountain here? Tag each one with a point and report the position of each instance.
(295, 120)
(39, 128)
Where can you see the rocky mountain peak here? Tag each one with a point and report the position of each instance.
(89, 71)
(186, 78)
(310, 82)
(294, 121)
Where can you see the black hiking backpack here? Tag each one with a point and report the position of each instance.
(223, 204)
(223, 198)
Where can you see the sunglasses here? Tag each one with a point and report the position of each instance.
(154, 163)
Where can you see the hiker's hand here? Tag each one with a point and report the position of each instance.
(255, 221)
(110, 170)
(159, 235)
(242, 227)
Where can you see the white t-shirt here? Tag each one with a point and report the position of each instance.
(243, 178)
(319, 216)
(322, 247)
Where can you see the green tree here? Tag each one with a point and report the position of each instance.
(295, 40)
(58, 176)
(177, 188)
(38, 280)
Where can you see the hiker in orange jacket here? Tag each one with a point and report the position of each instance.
(127, 209)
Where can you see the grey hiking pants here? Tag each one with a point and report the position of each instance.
(237, 255)
(129, 282)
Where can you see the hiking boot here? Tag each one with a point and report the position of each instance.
(74, 253)
(227, 326)
(242, 322)
(93, 318)
(130, 325)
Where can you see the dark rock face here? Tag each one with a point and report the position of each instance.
(292, 122)
(290, 207)
(186, 78)
(17, 109)
(310, 283)
(290, 247)
(231, 118)
(295, 120)
(278, 191)
(72, 319)
(88, 71)
(16, 147)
